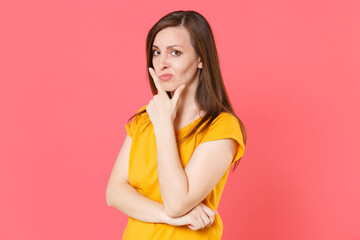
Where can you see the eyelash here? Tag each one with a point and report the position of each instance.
(153, 51)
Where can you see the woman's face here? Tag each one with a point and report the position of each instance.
(174, 54)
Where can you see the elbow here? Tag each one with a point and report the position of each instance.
(173, 212)
(176, 209)
(113, 194)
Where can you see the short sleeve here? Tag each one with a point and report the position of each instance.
(133, 125)
(225, 126)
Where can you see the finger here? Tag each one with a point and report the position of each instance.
(196, 224)
(205, 219)
(208, 210)
(201, 217)
(156, 81)
(193, 222)
(191, 227)
(211, 221)
(177, 94)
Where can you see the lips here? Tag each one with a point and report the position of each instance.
(165, 77)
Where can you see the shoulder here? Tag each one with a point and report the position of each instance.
(139, 119)
(225, 126)
(141, 109)
(141, 114)
(227, 117)
(225, 121)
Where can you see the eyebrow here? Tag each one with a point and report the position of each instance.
(168, 46)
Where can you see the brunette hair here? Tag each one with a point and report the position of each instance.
(211, 95)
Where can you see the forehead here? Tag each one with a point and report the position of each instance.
(172, 36)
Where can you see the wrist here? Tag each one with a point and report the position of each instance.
(163, 217)
(165, 127)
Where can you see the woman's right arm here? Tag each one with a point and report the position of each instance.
(121, 195)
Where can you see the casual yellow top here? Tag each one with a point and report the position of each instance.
(143, 174)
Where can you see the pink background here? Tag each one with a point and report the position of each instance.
(73, 72)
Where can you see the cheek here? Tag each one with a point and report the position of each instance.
(186, 68)
(189, 71)
(154, 63)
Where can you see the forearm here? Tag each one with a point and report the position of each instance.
(173, 181)
(129, 201)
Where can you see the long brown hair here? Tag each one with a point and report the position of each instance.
(211, 95)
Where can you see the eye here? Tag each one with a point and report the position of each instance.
(177, 53)
(153, 51)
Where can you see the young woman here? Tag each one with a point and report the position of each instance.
(174, 162)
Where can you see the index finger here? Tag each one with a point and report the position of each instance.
(208, 210)
(156, 81)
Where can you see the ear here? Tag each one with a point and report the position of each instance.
(200, 63)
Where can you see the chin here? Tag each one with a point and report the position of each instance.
(169, 88)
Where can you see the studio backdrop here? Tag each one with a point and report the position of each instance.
(73, 72)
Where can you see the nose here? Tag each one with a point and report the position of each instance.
(163, 62)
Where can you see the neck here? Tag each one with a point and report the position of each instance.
(186, 104)
(187, 107)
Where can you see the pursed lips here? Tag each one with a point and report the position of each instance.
(165, 76)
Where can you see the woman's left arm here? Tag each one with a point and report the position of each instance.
(182, 189)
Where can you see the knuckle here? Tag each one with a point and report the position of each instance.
(195, 225)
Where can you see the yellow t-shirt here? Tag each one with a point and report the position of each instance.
(143, 174)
